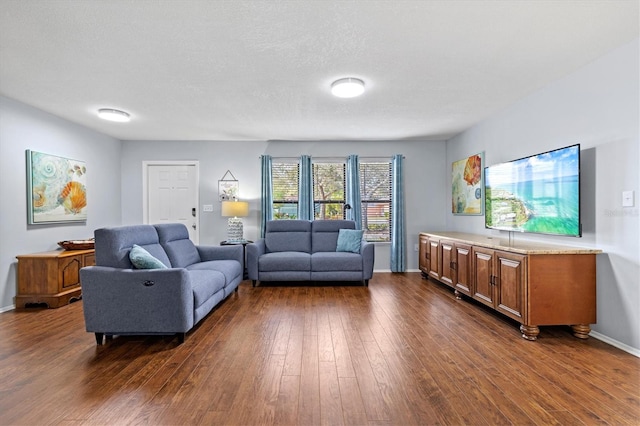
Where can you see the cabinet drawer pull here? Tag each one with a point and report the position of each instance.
(148, 283)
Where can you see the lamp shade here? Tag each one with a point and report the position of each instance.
(235, 208)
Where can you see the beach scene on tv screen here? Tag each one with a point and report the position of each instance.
(538, 194)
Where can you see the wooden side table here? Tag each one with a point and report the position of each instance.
(244, 243)
(51, 277)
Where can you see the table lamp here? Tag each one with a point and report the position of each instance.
(234, 210)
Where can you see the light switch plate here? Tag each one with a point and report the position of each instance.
(207, 208)
(627, 199)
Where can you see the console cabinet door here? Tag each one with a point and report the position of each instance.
(423, 254)
(482, 275)
(69, 272)
(510, 284)
(463, 282)
(434, 258)
(448, 260)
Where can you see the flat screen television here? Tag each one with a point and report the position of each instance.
(539, 193)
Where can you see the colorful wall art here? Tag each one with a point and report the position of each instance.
(57, 191)
(228, 188)
(466, 185)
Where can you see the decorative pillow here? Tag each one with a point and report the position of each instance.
(142, 259)
(349, 240)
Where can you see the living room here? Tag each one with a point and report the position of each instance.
(595, 103)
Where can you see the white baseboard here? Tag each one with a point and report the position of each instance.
(633, 351)
(7, 308)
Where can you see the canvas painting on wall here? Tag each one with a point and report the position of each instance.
(57, 191)
(466, 186)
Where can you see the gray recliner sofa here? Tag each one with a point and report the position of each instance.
(121, 300)
(302, 250)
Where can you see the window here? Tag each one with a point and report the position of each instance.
(329, 196)
(375, 193)
(328, 190)
(285, 189)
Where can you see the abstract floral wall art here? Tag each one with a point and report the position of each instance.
(56, 189)
(466, 186)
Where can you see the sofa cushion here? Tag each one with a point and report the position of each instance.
(230, 269)
(114, 244)
(324, 233)
(288, 235)
(142, 259)
(285, 261)
(174, 237)
(205, 284)
(335, 261)
(349, 240)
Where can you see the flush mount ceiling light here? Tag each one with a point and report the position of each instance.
(347, 87)
(113, 115)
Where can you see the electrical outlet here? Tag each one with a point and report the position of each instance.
(207, 208)
(627, 199)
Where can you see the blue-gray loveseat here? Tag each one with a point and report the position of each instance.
(119, 299)
(302, 250)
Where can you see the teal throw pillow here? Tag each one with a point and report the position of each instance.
(142, 259)
(349, 240)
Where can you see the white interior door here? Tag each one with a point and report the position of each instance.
(172, 196)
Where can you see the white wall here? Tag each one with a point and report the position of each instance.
(424, 177)
(23, 127)
(598, 107)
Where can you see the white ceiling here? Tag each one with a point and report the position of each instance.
(261, 70)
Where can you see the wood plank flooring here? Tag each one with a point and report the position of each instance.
(402, 351)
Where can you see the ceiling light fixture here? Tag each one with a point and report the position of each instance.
(113, 115)
(347, 87)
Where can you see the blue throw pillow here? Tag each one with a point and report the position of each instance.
(142, 259)
(349, 240)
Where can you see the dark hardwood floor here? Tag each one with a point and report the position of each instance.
(402, 351)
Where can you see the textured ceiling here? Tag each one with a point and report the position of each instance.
(261, 70)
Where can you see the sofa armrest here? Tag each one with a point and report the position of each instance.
(208, 253)
(367, 250)
(130, 301)
(254, 251)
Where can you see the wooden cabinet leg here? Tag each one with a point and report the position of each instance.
(581, 331)
(529, 332)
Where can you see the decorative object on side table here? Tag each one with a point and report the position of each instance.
(234, 210)
(77, 244)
